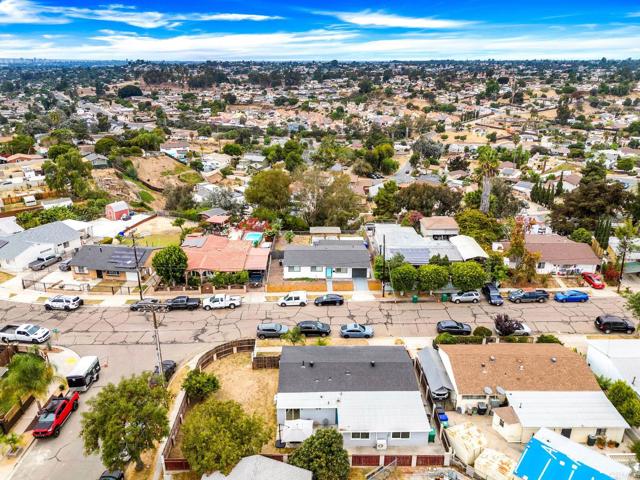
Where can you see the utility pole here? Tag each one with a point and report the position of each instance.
(135, 255)
(384, 261)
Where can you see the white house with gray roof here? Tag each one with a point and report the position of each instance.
(369, 394)
(22, 248)
(339, 259)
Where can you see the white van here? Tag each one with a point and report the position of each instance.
(86, 371)
(298, 299)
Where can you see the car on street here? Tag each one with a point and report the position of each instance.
(613, 323)
(54, 415)
(356, 330)
(571, 296)
(312, 328)
(182, 302)
(145, 303)
(466, 297)
(594, 280)
(522, 296)
(64, 265)
(298, 299)
(168, 368)
(44, 261)
(453, 327)
(271, 330)
(63, 302)
(26, 333)
(222, 300)
(329, 299)
(115, 475)
(492, 294)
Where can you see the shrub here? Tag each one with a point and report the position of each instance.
(482, 332)
(548, 338)
(445, 339)
(199, 385)
(106, 241)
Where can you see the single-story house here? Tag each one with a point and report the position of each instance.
(339, 260)
(257, 467)
(558, 254)
(617, 359)
(439, 227)
(97, 160)
(22, 248)
(112, 262)
(177, 150)
(551, 456)
(116, 210)
(523, 188)
(208, 254)
(369, 394)
(213, 212)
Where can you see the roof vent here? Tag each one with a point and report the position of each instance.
(302, 364)
(554, 359)
(492, 358)
(483, 365)
(311, 363)
(347, 372)
(373, 363)
(521, 367)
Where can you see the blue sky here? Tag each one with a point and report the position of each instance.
(322, 30)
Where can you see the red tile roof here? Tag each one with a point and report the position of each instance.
(220, 254)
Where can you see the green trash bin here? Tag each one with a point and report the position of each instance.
(414, 299)
(444, 297)
(432, 435)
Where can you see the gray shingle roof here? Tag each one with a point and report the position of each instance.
(110, 257)
(354, 256)
(55, 233)
(346, 369)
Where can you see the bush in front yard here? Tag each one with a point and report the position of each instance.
(199, 385)
(323, 454)
(482, 332)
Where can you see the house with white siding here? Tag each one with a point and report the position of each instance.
(336, 259)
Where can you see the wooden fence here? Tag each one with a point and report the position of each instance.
(271, 361)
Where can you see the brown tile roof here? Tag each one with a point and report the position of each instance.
(220, 254)
(559, 250)
(507, 414)
(439, 223)
(518, 367)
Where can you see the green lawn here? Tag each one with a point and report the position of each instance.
(190, 177)
(158, 240)
(145, 196)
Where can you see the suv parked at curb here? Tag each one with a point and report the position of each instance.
(63, 302)
(466, 297)
(492, 294)
(520, 296)
(613, 323)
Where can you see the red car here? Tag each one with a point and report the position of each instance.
(594, 280)
(54, 414)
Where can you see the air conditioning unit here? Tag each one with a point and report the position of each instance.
(381, 444)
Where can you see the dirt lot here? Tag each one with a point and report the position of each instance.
(107, 180)
(163, 171)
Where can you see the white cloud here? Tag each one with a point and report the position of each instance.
(633, 14)
(368, 18)
(29, 12)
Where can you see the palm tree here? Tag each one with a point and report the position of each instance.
(488, 168)
(28, 374)
(626, 233)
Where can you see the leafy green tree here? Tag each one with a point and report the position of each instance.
(20, 144)
(59, 149)
(217, 435)
(626, 163)
(324, 455)
(27, 374)
(339, 204)
(69, 174)
(627, 233)
(430, 199)
(232, 149)
(403, 278)
(386, 200)
(633, 303)
(426, 148)
(487, 169)
(626, 401)
(293, 336)
(581, 235)
(468, 275)
(481, 331)
(270, 189)
(128, 417)
(170, 263)
(105, 145)
(432, 277)
(484, 229)
(129, 91)
(442, 260)
(379, 265)
(198, 385)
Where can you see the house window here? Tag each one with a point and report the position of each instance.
(293, 269)
(112, 273)
(340, 270)
(501, 422)
(82, 270)
(601, 432)
(65, 244)
(316, 269)
(541, 265)
(359, 435)
(403, 435)
(292, 414)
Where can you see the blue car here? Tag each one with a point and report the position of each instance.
(571, 296)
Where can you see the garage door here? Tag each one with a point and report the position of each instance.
(359, 273)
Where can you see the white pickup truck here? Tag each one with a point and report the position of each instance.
(222, 301)
(26, 333)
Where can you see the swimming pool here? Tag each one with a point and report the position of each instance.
(253, 236)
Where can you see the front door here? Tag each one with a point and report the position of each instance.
(329, 272)
(99, 273)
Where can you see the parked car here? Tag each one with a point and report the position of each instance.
(54, 415)
(271, 330)
(63, 302)
(115, 475)
(613, 323)
(521, 296)
(356, 330)
(453, 327)
(466, 297)
(43, 262)
(64, 265)
(27, 333)
(182, 302)
(168, 369)
(594, 280)
(314, 328)
(293, 298)
(144, 304)
(571, 296)
(222, 301)
(329, 299)
(492, 294)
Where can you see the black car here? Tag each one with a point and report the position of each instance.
(453, 327)
(310, 328)
(329, 299)
(168, 368)
(521, 296)
(115, 475)
(64, 265)
(492, 294)
(613, 323)
(144, 304)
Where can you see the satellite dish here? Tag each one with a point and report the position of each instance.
(500, 390)
(488, 391)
